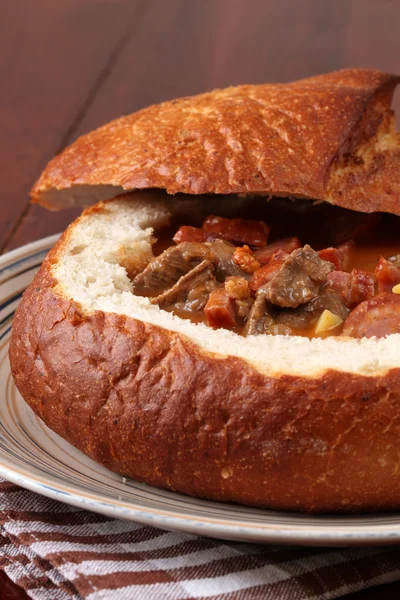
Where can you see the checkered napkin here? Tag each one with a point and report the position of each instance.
(57, 552)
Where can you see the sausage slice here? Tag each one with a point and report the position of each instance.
(377, 317)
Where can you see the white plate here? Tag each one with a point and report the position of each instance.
(34, 457)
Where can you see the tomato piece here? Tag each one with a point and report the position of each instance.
(244, 258)
(361, 287)
(387, 275)
(254, 233)
(186, 233)
(266, 273)
(220, 310)
(286, 245)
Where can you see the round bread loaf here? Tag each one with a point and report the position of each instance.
(276, 421)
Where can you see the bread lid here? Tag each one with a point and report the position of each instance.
(329, 138)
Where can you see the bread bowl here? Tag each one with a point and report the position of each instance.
(278, 421)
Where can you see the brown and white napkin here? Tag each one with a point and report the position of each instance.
(57, 552)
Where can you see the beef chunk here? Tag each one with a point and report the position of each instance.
(267, 272)
(266, 318)
(306, 315)
(299, 279)
(260, 319)
(225, 267)
(191, 291)
(330, 300)
(165, 270)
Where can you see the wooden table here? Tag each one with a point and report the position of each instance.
(67, 66)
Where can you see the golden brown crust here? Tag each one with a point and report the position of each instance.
(296, 139)
(137, 398)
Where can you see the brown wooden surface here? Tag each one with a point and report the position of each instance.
(67, 66)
